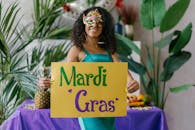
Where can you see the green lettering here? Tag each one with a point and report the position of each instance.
(80, 79)
(97, 78)
(83, 79)
(88, 76)
(63, 74)
(104, 78)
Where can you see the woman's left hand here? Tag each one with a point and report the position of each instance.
(132, 86)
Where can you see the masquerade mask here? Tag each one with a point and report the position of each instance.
(92, 17)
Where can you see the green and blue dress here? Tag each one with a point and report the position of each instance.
(97, 123)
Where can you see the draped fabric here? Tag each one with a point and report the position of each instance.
(27, 119)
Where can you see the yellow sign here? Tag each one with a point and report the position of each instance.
(81, 89)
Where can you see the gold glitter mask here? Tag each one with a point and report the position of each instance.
(92, 17)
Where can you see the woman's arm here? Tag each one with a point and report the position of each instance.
(73, 54)
(132, 85)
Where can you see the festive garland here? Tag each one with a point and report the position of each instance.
(74, 9)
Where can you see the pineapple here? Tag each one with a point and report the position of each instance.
(42, 99)
(42, 96)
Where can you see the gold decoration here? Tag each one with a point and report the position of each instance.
(94, 13)
(92, 17)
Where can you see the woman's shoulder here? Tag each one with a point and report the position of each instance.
(75, 49)
(73, 54)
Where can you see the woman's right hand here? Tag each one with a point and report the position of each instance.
(132, 86)
(44, 83)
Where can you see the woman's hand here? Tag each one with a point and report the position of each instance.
(44, 83)
(132, 86)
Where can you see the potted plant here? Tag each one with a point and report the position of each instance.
(154, 15)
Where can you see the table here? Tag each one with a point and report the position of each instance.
(27, 119)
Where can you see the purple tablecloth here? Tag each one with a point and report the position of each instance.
(26, 119)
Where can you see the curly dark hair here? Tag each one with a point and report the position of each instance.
(107, 36)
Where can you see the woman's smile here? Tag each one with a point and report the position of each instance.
(93, 31)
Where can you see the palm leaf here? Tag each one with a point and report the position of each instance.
(58, 33)
(11, 22)
(7, 19)
(14, 78)
(35, 58)
(55, 54)
(4, 48)
(10, 99)
(17, 63)
(45, 13)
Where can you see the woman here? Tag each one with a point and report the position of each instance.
(94, 41)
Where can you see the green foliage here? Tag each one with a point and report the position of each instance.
(174, 15)
(15, 80)
(124, 48)
(182, 40)
(55, 54)
(133, 65)
(19, 70)
(45, 13)
(126, 43)
(154, 16)
(91, 3)
(152, 12)
(178, 89)
(173, 63)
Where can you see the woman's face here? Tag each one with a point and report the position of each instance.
(93, 24)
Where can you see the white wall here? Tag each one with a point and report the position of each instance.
(179, 108)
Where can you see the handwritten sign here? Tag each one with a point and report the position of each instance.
(88, 89)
